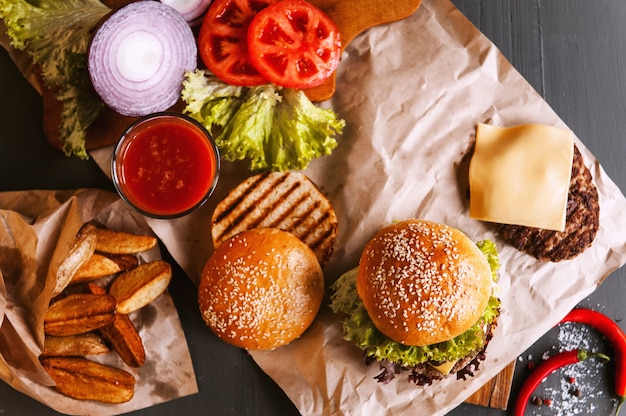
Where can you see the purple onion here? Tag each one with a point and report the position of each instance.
(191, 10)
(138, 57)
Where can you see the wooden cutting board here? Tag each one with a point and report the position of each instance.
(354, 17)
(497, 391)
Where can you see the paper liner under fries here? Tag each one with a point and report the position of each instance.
(37, 229)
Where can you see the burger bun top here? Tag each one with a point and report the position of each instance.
(261, 289)
(422, 282)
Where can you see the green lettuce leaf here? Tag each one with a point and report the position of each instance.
(247, 133)
(490, 251)
(56, 36)
(358, 328)
(274, 128)
(209, 100)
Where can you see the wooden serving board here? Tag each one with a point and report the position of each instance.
(354, 17)
(497, 391)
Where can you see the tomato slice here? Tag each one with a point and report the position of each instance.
(222, 40)
(294, 44)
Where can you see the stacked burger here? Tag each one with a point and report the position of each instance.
(422, 300)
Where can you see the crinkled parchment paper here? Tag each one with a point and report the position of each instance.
(37, 229)
(412, 93)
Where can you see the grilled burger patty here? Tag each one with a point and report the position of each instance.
(581, 224)
(285, 200)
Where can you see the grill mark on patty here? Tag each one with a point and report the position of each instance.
(302, 198)
(323, 238)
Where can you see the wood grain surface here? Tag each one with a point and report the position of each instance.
(351, 17)
(497, 390)
(573, 55)
(355, 17)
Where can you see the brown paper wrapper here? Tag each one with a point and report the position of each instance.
(37, 229)
(412, 93)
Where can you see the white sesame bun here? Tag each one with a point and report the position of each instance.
(422, 282)
(261, 289)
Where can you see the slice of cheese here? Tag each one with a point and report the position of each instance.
(445, 367)
(520, 175)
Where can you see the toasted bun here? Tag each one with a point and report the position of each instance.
(422, 282)
(289, 201)
(261, 289)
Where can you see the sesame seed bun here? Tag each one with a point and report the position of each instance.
(261, 289)
(422, 282)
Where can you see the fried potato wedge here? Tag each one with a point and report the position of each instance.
(96, 267)
(122, 335)
(83, 379)
(137, 287)
(80, 252)
(79, 313)
(124, 261)
(119, 242)
(88, 343)
(125, 340)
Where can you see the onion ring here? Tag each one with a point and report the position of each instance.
(138, 57)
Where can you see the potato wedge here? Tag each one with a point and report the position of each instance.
(80, 252)
(125, 261)
(137, 287)
(83, 379)
(96, 267)
(119, 242)
(122, 335)
(88, 343)
(125, 340)
(79, 313)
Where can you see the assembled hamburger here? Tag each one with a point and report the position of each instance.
(422, 300)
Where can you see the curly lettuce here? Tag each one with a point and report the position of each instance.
(490, 251)
(273, 128)
(56, 36)
(358, 328)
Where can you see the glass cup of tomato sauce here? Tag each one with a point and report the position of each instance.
(165, 165)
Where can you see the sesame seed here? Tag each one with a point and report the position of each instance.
(418, 275)
(257, 300)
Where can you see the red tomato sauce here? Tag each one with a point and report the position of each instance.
(167, 167)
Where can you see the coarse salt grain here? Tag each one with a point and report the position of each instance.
(592, 397)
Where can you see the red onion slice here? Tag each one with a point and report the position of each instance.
(138, 58)
(190, 9)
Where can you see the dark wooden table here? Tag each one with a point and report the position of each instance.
(573, 52)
